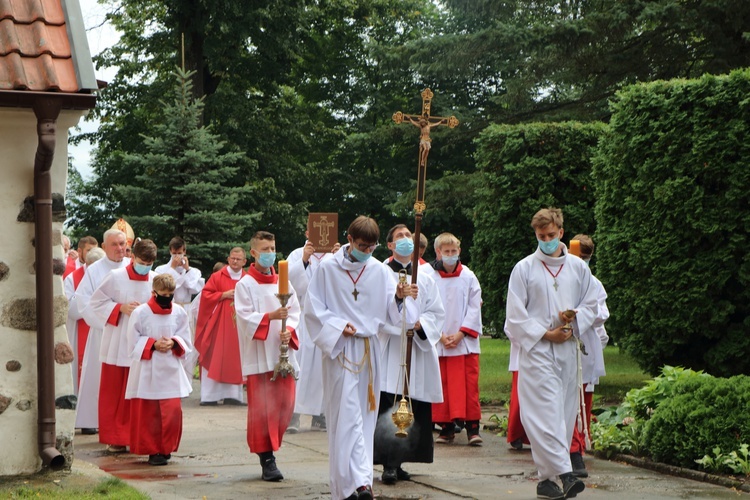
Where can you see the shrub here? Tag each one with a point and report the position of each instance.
(526, 168)
(704, 413)
(673, 191)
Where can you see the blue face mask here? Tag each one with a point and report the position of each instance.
(404, 247)
(549, 247)
(266, 259)
(141, 269)
(450, 261)
(359, 254)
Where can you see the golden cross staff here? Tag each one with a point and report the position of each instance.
(425, 122)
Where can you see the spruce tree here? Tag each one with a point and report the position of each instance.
(185, 183)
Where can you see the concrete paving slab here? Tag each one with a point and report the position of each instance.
(214, 462)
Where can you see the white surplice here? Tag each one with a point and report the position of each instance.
(424, 383)
(329, 305)
(188, 283)
(87, 410)
(595, 340)
(462, 300)
(252, 303)
(162, 376)
(547, 381)
(116, 288)
(309, 398)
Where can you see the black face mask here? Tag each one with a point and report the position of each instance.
(164, 302)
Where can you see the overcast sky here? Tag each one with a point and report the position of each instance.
(100, 36)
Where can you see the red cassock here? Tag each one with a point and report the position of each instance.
(515, 427)
(70, 266)
(460, 377)
(216, 337)
(82, 330)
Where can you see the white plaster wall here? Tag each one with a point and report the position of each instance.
(18, 428)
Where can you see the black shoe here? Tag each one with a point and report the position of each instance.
(517, 444)
(364, 493)
(270, 471)
(157, 459)
(89, 431)
(168, 456)
(579, 468)
(549, 490)
(233, 402)
(571, 485)
(402, 475)
(389, 475)
(318, 422)
(209, 403)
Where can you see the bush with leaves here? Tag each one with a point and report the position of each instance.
(703, 414)
(526, 168)
(680, 418)
(673, 191)
(620, 429)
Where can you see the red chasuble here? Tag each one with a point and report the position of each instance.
(216, 338)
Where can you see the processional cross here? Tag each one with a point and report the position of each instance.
(425, 122)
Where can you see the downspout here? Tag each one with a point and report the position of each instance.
(46, 109)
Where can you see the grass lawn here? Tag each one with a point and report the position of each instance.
(623, 374)
(66, 486)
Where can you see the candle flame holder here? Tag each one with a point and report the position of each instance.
(283, 367)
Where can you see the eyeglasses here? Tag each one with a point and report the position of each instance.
(236, 259)
(366, 247)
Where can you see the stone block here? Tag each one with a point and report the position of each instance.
(63, 353)
(13, 365)
(4, 271)
(21, 313)
(27, 213)
(4, 403)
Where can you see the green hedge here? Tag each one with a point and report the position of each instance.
(525, 168)
(704, 413)
(673, 216)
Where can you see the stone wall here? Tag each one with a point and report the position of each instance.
(18, 359)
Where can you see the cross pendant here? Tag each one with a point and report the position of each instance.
(355, 293)
(555, 285)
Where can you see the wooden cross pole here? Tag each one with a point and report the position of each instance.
(425, 122)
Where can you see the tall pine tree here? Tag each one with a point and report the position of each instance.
(185, 183)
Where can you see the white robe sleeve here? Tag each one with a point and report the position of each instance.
(519, 324)
(324, 326)
(100, 306)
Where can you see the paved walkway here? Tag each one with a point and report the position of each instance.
(214, 463)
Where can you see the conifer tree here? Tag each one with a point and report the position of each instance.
(185, 183)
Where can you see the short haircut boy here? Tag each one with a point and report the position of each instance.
(176, 243)
(446, 239)
(145, 250)
(365, 229)
(587, 245)
(261, 236)
(164, 283)
(547, 216)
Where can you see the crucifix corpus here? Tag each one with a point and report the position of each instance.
(425, 122)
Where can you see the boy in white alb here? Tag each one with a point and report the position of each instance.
(543, 289)
(458, 349)
(349, 300)
(270, 403)
(158, 337)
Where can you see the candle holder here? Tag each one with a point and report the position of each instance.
(283, 367)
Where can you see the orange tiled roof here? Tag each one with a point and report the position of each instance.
(35, 52)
